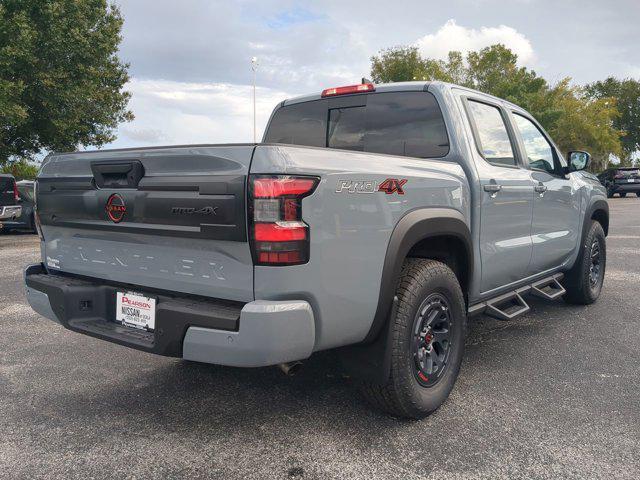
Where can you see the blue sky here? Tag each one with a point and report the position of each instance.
(190, 60)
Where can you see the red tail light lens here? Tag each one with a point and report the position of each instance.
(360, 88)
(278, 234)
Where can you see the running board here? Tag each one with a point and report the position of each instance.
(512, 304)
(548, 289)
(507, 306)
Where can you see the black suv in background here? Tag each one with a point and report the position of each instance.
(26, 199)
(621, 181)
(10, 209)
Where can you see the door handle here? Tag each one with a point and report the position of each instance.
(540, 189)
(492, 188)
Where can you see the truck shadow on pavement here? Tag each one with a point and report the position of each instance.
(186, 395)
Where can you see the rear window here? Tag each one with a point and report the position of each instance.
(299, 124)
(6, 184)
(396, 123)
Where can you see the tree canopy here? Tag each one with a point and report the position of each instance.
(577, 118)
(60, 77)
(627, 99)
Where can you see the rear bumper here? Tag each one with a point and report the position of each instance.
(11, 212)
(626, 187)
(254, 334)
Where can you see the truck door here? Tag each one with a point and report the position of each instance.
(506, 197)
(556, 205)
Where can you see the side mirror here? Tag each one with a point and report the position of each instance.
(578, 160)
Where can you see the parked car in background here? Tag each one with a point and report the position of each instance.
(621, 181)
(26, 200)
(10, 208)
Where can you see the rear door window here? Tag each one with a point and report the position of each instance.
(492, 136)
(396, 123)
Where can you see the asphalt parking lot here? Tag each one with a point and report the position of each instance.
(553, 394)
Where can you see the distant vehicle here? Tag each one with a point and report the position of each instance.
(621, 181)
(10, 208)
(373, 219)
(26, 219)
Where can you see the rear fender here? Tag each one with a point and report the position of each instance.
(370, 360)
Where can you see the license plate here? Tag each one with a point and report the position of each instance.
(631, 180)
(136, 310)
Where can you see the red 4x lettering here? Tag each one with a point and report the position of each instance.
(392, 185)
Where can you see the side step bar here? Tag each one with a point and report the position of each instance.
(512, 304)
(548, 289)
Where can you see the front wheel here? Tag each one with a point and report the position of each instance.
(584, 281)
(622, 195)
(637, 194)
(427, 341)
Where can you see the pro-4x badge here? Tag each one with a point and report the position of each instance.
(389, 186)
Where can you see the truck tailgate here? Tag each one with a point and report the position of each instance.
(171, 218)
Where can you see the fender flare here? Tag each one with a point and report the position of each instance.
(596, 205)
(413, 227)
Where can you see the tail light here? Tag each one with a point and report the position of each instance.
(16, 195)
(360, 88)
(618, 175)
(278, 234)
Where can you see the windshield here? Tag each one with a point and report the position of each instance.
(26, 192)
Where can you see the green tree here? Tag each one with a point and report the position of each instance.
(60, 77)
(627, 97)
(21, 169)
(575, 120)
(400, 64)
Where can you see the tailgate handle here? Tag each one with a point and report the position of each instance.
(117, 174)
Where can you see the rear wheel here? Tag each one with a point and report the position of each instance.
(427, 341)
(584, 281)
(637, 194)
(622, 195)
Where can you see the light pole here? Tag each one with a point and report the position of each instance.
(254, 67)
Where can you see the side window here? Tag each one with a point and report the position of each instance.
(493, 138)
(538, 150)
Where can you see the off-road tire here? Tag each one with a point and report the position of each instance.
(402, 395)
(581, 290)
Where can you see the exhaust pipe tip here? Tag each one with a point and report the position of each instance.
(290, 368)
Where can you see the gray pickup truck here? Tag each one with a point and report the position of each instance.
(372, 220)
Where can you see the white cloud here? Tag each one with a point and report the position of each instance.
(452, 36)
(180, 112)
